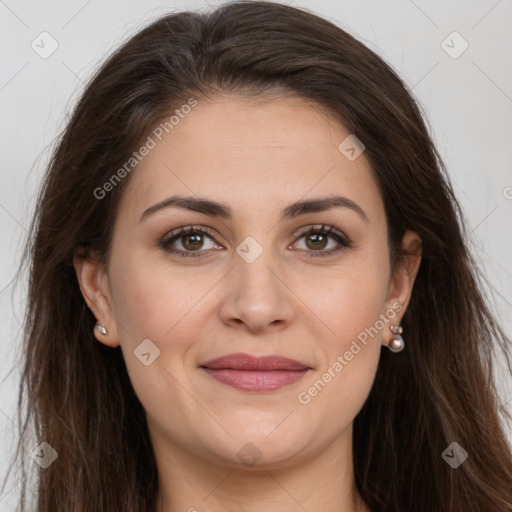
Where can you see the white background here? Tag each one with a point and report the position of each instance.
(468, 101)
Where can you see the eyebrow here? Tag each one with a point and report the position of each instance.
(215, 209)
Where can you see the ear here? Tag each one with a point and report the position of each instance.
(403, 277)
(94, 285)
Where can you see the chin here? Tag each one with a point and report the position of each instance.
(259, 450)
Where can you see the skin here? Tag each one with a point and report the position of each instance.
(257, 158)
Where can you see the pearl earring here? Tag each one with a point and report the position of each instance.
(397, 343)
(101, 329)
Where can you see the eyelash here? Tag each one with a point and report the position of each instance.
(166, 242)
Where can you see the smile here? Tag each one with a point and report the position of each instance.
(255, 373)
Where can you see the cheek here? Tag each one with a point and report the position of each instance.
(337, 390)
(352, 305)
(351, 299)
(153, 300)
(354, 317)
(157, 303)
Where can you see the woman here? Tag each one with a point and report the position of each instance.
(245, 211)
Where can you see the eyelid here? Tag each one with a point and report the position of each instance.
(327, 228)
(185, 230)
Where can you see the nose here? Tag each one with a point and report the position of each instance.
(257, 297)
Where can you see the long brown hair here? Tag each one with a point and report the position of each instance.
(438, 391)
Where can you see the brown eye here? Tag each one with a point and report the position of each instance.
(192, 241)
(317, 239)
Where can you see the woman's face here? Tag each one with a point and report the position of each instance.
(252, 284)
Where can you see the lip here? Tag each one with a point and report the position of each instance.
(255, 373)
(247, 362)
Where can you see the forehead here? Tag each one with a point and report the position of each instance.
(252, 155)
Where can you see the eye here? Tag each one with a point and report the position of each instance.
(193, 244)
(317, 238)
(190, 239)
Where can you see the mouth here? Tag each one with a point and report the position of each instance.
(250, 373)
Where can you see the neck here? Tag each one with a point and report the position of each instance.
(322, 482)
